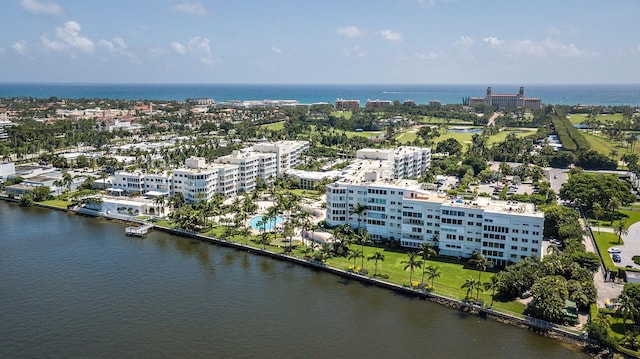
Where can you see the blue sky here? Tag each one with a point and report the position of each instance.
(326, 42)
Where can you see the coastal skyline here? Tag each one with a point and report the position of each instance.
(402, 41)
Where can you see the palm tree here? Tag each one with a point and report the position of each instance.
(481, 262)
(426, 251)
(471, 284)
(620, 229)
(354, 254)
(492, 285)
(358, 210)
(363, 238)
(597, 211)
(433, 273)
(159, 203)
(376, 256)
(612, 207)
(628, 308)
(411, 264)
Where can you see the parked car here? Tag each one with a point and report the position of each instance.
(616, 258)
(614, 250)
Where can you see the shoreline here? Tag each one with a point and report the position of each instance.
(576, 340)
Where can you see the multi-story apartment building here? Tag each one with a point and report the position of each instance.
(407, 161)
(378, 103)
(251, 165)
(199, 180)
(287, 153)
(342, 104)
(400, 210)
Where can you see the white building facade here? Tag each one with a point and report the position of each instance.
(401, 210)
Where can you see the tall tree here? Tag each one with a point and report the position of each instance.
(376, 256)
(426, 250)
(620, 229)
(481, 262)
(433, 273)
(411, 263)
(628, 308)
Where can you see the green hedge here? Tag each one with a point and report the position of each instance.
(570, 137)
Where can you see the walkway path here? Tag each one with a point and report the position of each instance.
(492, 119)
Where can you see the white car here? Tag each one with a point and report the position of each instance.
(614, 250)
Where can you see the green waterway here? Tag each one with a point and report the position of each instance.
(75, 287)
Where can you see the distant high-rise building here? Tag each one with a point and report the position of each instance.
(506, 100)
(342, 104)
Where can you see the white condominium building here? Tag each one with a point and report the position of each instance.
(199, 181)
(408, 161)
(251, 165)
(142, 183)
(401, 210)
(287, 153)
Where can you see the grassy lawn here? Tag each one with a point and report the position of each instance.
(344, 114)
(502, 135)
(606, 240)
(630, 217)
(57, 203)
(307, 193)
(366, 134)
(406, 137)
(602, 145)
(449, 283)
(439, 120)
(276, 126)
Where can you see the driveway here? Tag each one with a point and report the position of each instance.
(631, 246)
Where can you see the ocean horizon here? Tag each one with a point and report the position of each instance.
(570, 94)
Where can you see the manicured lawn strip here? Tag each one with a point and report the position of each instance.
(307, 193)
(577, 118)
(57, 203)
(502, 135)
(606, 240)
(630, 217)
(407, 137)
(344, 114)
(276, 126)
(448, 284)
(602, 145)
(366, 134)
(439, 120)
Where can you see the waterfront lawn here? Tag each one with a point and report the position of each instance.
(454, 274)
(604, 241)
(60, 203)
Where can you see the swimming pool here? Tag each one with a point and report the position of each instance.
(268, 225)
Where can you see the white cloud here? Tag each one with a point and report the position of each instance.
(196, 46)
(68, 38)
(493, 41)
(190, 8)
(276, 50)
(41, 7)
(178, 47)
(391, 35)
(20, 47)
(561, 31)
(464, 41)
(350, 31)
(355, 51)
(546, 48)
(430, 56)
(117, 47)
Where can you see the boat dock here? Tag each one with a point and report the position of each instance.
(138, 231)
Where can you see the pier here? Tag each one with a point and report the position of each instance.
(138, 231)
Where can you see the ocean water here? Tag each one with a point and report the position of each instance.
(628, 94)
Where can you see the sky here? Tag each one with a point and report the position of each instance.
(321, 41)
